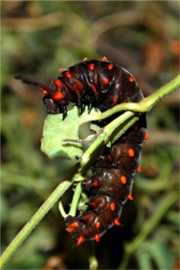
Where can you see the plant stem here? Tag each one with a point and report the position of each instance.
(125, 127)
(93, 263)
(75, 200)
(162, 208)
(149, 102)
(61, 210)
(145, 104)
(34, 221)
(105, 136)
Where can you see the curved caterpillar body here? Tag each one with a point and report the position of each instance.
(101, 84)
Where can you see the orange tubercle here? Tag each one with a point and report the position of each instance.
(68, 74)
(57, 95)
(138, 169)
(80, 240)
(97, 237)
(131, 79)
(70, 230)
(130, 197)
(131, 152)
(116, 222)
(106, 81)
(123, 179)
(61, 70)
(112, 206)
(91, 66)
(104, 58)
(57, 82)
(110, 66)
(95, 183)
(146, 136)
(72, 227)
(98, 224)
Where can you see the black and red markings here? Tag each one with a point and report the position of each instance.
(101, 84)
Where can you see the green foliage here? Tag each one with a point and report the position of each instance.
(154, 253)
(62, 138)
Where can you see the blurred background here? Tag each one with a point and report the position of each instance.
(38, 38)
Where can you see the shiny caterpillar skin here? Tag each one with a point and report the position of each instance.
(100, 84)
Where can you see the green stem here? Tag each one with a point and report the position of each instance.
(93, 263)
(105, 136)
(162, 208)
(126, 126)
(145, 104)
(61, 210)
(34, 221)
(75, 200)
(149, 102)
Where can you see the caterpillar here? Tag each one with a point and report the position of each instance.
(100, 84)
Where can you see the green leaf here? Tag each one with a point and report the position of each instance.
(144, 260)
(173, 216)
(157, 252)
(56, 133)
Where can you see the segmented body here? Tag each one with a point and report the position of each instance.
(101, 84)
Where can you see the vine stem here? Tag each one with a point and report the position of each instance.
(34, 221)
(74, 203)
(75, 200)
(105, 136)
(145, 104)
(142, 106)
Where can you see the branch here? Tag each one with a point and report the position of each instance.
(143, 106)
(34, 221)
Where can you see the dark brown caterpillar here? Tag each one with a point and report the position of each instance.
(101, 84)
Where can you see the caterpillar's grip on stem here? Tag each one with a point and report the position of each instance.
(100, 84)
(164, 91)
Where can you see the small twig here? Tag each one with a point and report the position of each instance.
(61, 210)
(75, 200)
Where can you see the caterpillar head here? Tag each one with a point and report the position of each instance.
(54, 96)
